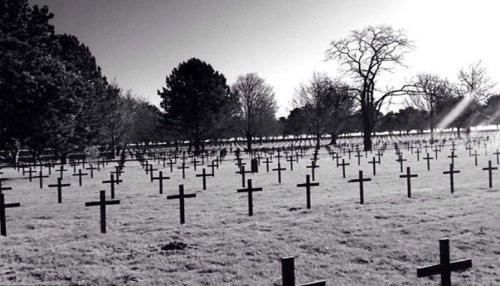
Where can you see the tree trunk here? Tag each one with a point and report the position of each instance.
(333, 140)
(248, 135)
(367, 130)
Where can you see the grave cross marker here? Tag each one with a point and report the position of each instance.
(418, 155)
(279, 169)
(59, 187)
(497, 154)
(80, 175)
(288, 274)
(40, 178)
(428, 158)
(451, 172)
(205, 175)
(475, 157)
(183, 167)
(181, 196)
(151, 171)
(267, 161)
(308, 186)
(401, 160)
(374, 162)
(102, 203)
(361, 190)
(91, 168)
(452, 156)
(243, 172)
(313, 167)
(445, 267)
(30, 172)
(343, 167)
(490, 169)
(408, 177)
(117, 171)
(2, 188)
(3, 206)
(112, 181)
(358, 155)
(160, 178)
(250, 191)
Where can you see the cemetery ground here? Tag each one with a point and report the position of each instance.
(381, 242)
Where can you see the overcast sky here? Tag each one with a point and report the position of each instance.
(139, 42)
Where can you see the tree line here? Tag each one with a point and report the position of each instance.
(54, 95)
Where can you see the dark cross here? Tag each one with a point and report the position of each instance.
(279, 169)
(2, 188)
(418, 155)
(436, 150)
(59, 187)
(469, 148)
(213, 165)
(490, 169)
(428, 159)
(171, 164)
(183, 167)
(250, 191)
(358, 155)
(80, 175)
(117, 171)
(343, 167)
(291, 162)
(451, 172)
(151, 171)
(195, 163)
(373, 162)
(288, 274)
(243, 172)
(205, 175)
(31, 172)
(313, 167)
(408, 177)
(73, 164)
(308, 186)
(336, 157)
(445, 267)
(181, 196)
(40, 178)
(91, 168)
(267, 161)
(400, 160)
(452, 156)
(3, 206)
(102, 203)
(361, 191)
(379, 155)
(160, 178)
(112, 181)
(475, 157)
(497, 153)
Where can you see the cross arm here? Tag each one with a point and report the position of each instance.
(429, 270)
(12, 205)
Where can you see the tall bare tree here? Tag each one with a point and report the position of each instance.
(365, 55)
(257, 105)
(427, 91)
(474, 80)
(326, 103)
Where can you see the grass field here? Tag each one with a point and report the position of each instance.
(379, 243)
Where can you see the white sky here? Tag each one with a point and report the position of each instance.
(138, 43)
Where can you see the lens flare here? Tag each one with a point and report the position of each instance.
(455, 112)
